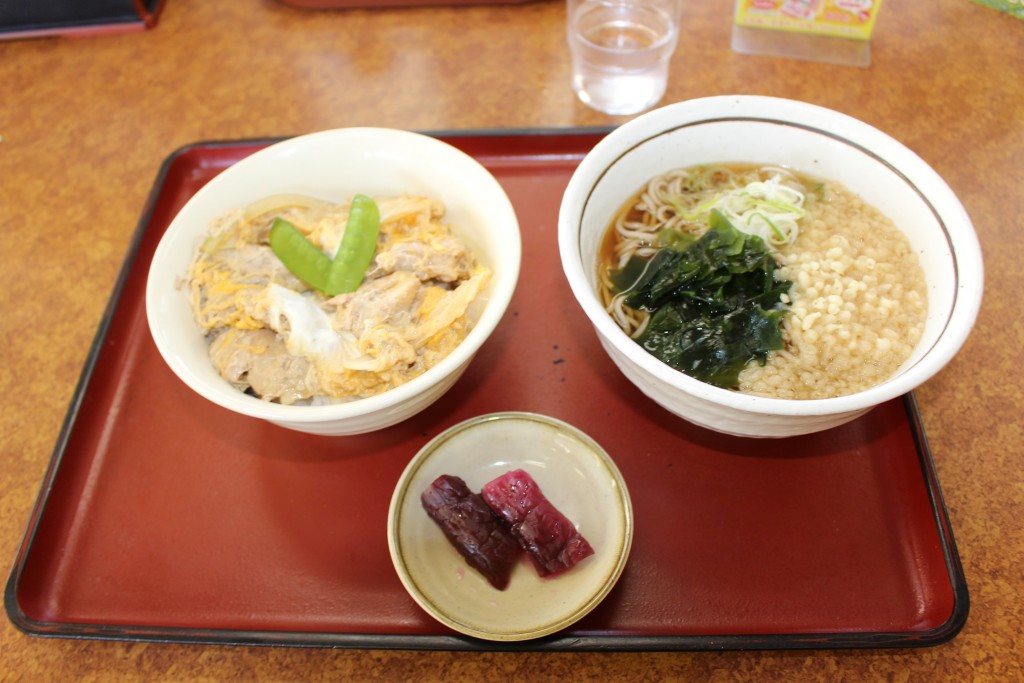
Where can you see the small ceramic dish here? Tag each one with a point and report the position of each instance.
(572, 471)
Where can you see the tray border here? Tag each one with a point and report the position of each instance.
(554, 643)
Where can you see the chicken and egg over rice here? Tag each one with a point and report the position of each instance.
(277, 338)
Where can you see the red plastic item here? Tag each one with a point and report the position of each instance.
(164, 517)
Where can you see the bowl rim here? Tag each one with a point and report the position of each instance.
(966, 256)
(499, 295)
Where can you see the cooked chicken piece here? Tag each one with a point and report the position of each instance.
(257, 264)
(375, 302)
(445, 260)
(259, 360)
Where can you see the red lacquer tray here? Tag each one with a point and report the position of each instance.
(164, 517)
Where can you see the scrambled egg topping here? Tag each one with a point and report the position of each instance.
(276, 338)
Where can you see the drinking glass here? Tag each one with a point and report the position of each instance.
(621, 51)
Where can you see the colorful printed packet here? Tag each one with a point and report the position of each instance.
(839, 18)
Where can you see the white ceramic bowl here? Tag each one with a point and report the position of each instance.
(334, 165)
(807, 138)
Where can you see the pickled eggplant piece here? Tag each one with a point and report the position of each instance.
(551, 539)
(472, 529)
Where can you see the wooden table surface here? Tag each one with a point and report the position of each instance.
(85, 124)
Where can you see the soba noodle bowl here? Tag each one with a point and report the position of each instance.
(857, 304)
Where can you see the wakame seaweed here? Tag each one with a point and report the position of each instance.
(714, 304)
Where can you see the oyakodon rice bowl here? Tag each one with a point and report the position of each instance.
(462, 204)
(810, 142)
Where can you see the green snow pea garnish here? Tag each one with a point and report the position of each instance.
(345, 272)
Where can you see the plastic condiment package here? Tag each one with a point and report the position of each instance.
(854, 19)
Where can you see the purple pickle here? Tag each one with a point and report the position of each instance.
(472, 529)
(546, 534)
